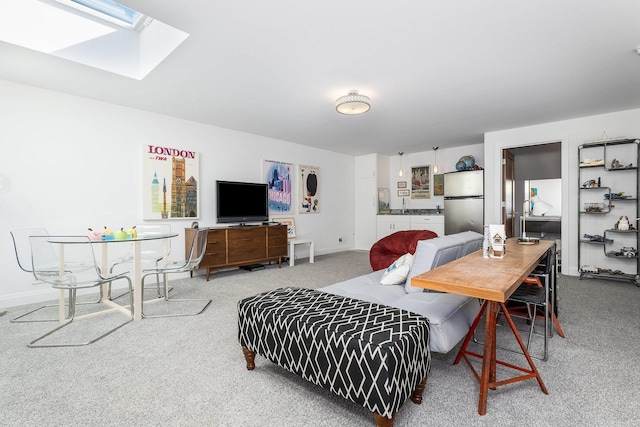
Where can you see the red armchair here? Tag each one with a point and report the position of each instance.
(388, 249)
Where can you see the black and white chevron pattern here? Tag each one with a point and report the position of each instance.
(371, 354)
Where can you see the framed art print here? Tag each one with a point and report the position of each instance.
(438, 184)
(291, 226)
(278, 176)
(170, 183)
(421, 182)
(309, 201)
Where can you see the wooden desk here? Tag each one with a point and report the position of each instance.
(492, 280)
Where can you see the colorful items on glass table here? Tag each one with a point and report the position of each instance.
(108, 234)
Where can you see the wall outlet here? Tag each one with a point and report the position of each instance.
(339, 239)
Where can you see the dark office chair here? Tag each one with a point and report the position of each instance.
(534, 299)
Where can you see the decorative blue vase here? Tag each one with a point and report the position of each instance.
(465, 163)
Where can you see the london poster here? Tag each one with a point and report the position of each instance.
(171, 178)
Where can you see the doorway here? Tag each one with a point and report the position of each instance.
(534, 168)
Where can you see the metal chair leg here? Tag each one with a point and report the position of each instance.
(174, 300)
(70, 317)
(121, 295)
(17, 319)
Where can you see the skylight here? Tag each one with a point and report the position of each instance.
(110, 11)
(83, 31)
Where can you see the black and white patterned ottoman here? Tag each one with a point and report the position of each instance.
(371, 354)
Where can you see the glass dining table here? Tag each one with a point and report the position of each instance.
(136, 273)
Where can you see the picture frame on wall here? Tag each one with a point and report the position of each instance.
(279, 178)
(421, 182)
(404, 193)
(170, 183)
(438, 184)
(291, 226)
(402, 184)
(309, 195)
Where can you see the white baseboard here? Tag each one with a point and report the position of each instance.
(40, 296)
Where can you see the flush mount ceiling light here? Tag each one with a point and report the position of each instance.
(353, 103)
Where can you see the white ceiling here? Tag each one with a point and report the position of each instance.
(439, 73)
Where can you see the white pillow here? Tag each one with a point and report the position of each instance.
(397, 272)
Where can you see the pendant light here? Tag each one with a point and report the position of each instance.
(435, 159)
(400, 173)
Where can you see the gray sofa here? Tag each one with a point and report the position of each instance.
(450, 316)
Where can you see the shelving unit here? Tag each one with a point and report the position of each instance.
(609, 189)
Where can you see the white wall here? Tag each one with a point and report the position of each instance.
(549, 191)
(571, 133)
(76, 163)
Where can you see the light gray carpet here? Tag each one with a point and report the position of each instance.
(191, 372)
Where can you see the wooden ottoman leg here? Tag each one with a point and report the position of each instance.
(250, 357)
(416, 397)
(383, 421)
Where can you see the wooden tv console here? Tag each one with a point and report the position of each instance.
(239, 246)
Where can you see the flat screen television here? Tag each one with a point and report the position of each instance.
(242, 202)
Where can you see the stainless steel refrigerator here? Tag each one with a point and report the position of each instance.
(463, 201)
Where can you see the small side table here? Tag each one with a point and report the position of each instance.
(292, 250)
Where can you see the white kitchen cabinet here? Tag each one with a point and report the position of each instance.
(434, 223)
(389, 224)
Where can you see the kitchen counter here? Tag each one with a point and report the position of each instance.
(413, 212)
